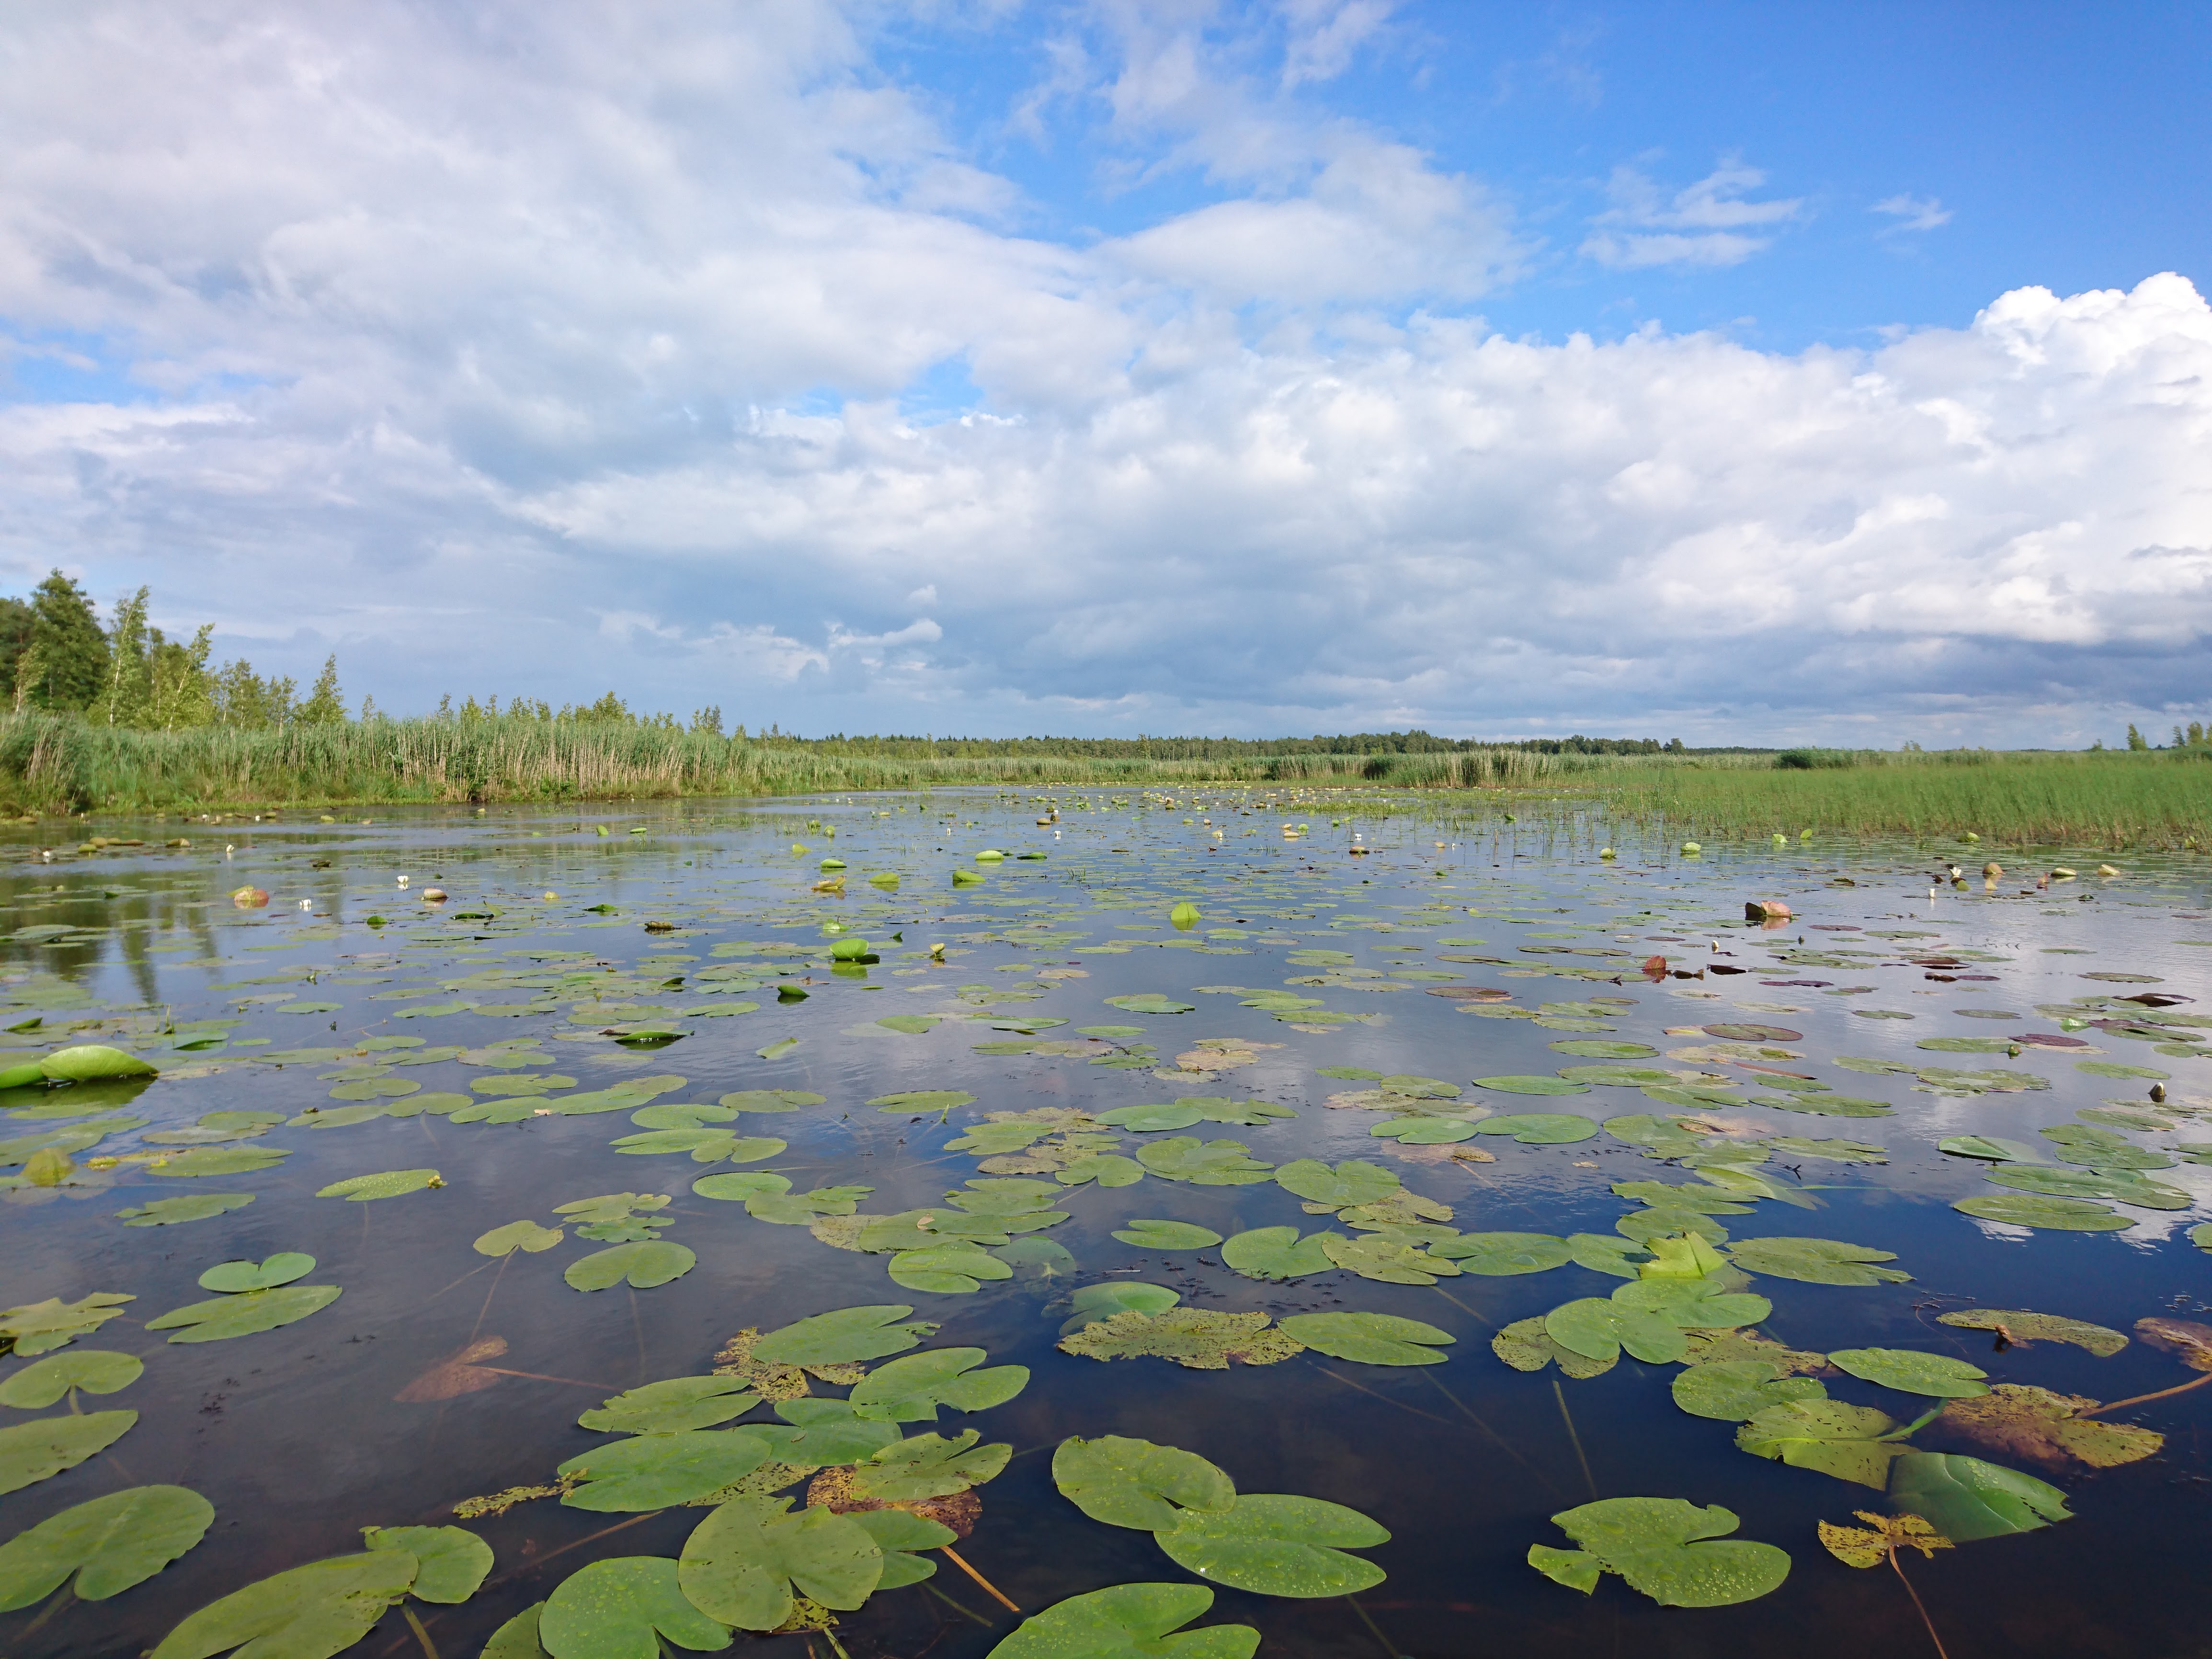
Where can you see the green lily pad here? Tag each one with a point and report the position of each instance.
(1694, 1304)
(1660, 1547)
(255, 1310)
(929, 1466)
(1208, 1163)
(1595, 1048)
(2030, 1210)
(1275, 1253)
(31, 1452)
(672, 1406)
(921, 1101)
(958, 1269)
(310, 1612)
(92, 1370)
(1150, 1002)
(1816, 1261)
(1274, 1544)
(110, 1544)
(1734, 1390)
(388, 1183)
(1527, 1346)
(620, 1608)
(1198, 1338)
(1386, 1259)
(1147, 1120)
(900, 1536)
(281, 1268)
(1532, 1085)
(92, 1062)
(171, 1211)
(199, 1161)
(644, 1264)
(842, 1336)
(1501, 1254)
(1912, 1372)
(1539, 1128)
(1370, 1338)
(1967, 1499)
(912, 1388)
(1095, 1302)
(652, 1471)
(1604, 1253)
(2117, 1186)
(1994, 1148)
(524, 1234)
(1351, 1182)
(1129, 1621)
(1424, 1131)
(746, 1562)
(1598, 1329)
(1167, 1234)
(1134, 1483)
(451, 1563)
(1826, 1435)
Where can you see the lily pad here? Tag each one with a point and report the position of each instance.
(1150, 1002)
(1209, 1163)
(92, 1370)
(228, 1316)
(1595, 1048)
(928, 1466)
(1274, 1544)
(672, 1406)
(92, 1062)
(1539, 1128)
(652, 1471)
(525, 1235)
(1694, 1304)
(620, 1608)
(643, 1264)
(1093, 1303)
(2119, 1187)
(842, 1336)
(912, 1388)
(2037, 1426)
(1995, 1149)
(1167, 1234)
(1532, 1085)
(40, 1327)
(1912, 1372)
(1370, 1338)
(2029, 1210)
(281, 1268)
(2020, 1328)
(310, 1612)
(1816, 1261)
(389, 1183)
(1826, 1435)
(1736, 1391)
(1127, 1482)
(1351, 1182)
(110, 1544)
(1275, 1253)
(1198, 1338)
(1660, 1546)
(196, 1207)
(746, 1562)
(1386, 1259)
(1967, 1499)
(451, 1563)
(1129, 1621)
(1598, 1329)
(31, 1452)
(922, 1101)
(1527, 1346)
(200, 1161)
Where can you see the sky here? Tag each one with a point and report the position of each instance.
(1741, 373)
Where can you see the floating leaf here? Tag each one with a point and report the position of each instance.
(1527, 1346)
(450, 1562)
(1965, 1500)
(281, 1268)
(740, 1189)
(1598, 1329)
(2026, 1210)
(1857, 1546)
(1195, 1337)
(1816, 1261)
(1539, 1128)
(1274, 1543)
(620, 1608)
(1658, 1545)
(2018, 1328)
(200, 1161)
(1146, 1120)
(1095, 1302)
(1212, 1164)
(2041, 1427)
(928, 1466)
(1134, 1483)
(307, 1613)
(899, 1534)
(1129, 1621)
(1593, 1048)
(644, 1264)
(747, 1560)
(672, 1406)
(1826, 1435)
(91, 1062)
(921, 1101)
(1500, 1255)
(524, 1234)
(1734, 1390)
(1912, 1372)
(1351, 1182)
(31, 1452)
(841, 1336)
(652, 1471)
(912, 1388)
(958, 1269)
(1994, 1148)
(110, 1544)
(228, 1316)
(1275, 1253)
(1168, 1234)
(1387, 1260)
(170, 1211)
(1369, 1338)
(1150, 1002)
(1694, 1304)
(1532, 1085)
(93, 1371)
(389, 1183)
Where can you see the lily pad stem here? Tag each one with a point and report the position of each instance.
(1560, 1394)
(429, 1648)
(1898, 1567)
(1916, 1424)
(2096, 1410)
(953, 1555)
(64, 1597)
(964, 1612)
(1389, 1646)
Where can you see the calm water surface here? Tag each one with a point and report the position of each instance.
(560, 932)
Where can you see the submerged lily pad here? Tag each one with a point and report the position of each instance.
(110, 1544)
(201, 1161)
(1660, 1547)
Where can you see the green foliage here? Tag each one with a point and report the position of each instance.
(31, 1452)
(1659, 1545)
(1129, 1621)
(110, 1544)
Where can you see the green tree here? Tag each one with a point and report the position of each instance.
(126, 690)
(2135, 739)
(182, 691)
(242, 697)
(68, 652)
(326, 704)
(14, 639)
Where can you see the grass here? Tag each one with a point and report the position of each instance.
(53, 765)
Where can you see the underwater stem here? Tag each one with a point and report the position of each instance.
(61, 1598)
(964, 1612)
(1898, 1567)
(953, 1555)
(2140, 1398)
(1389, 1647)
(488, 1294)
(429, 1648)
(1566, 1416)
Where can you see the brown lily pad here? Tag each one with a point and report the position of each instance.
(2034, 1425)
(832, 1488)
(458, 1373)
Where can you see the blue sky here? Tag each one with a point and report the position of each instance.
(1743, 373)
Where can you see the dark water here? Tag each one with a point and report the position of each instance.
(295, 1436)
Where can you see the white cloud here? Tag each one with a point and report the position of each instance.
(1708, 223)
(457, 354)
(1326, 34)
(1911, 213)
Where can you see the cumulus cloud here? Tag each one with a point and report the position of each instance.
(1709, 222)
(506, 345)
